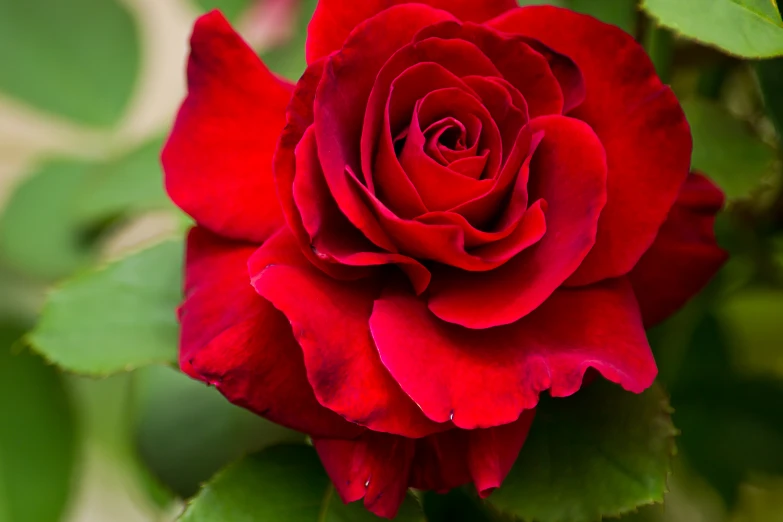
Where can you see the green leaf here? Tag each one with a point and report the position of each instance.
(185, 431)
(55, 216)
(284, 484)
(601, 453)
(231, 9)
(726, 150)
(117, 318)
(659, 44)
(458, 505)
(37, 436)
(131, 183)
(78, 59)
(39, 230)
(746, 28)
(765, 8)
(656, 513)
(732, 425)
(770, 76)
(621, 13)
(732, 428)
(752, 319)
(694, 342)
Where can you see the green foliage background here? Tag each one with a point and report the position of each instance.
(97, 422)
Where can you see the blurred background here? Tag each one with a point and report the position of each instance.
(88, 90)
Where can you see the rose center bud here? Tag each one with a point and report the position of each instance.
(449, 137)
(452, 141)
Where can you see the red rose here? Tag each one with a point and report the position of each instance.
(467, 206)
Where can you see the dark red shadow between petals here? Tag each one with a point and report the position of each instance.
(685, 254)
(380, 467)
(330, 321)
(374, 467)
(234, 339)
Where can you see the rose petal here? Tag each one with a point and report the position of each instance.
(374, 467)
(487, 378)
(506, 105)
(568, 75)
(414, 72)
(449, 139)
(569, 173)
(518, 62)
(445, 238)
(447, 242)
(484, 456)
(330, 322)
(334, 20)
(334, 245)
(482, 212)
(427, 175)
(470, 167)
(493, 451)
(476, 239)
(299, 117)
(218, 159)
(341, 100)
(464, 157)
(332, 237)
(409, 75)
(638, 120)
(234, 339)
(684, 256)
(440, 462)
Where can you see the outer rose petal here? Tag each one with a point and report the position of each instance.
(299, 117)
(492, 452)
(234, 339)
(334, 20)
(684, 256)
(484, 456)
(218, 159)
(639, 122)
(440, 462)
(484, 378)
(380, 467)
(330, 321)
(374, 467)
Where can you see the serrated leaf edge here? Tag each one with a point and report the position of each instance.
(680, 34)
(29, 339)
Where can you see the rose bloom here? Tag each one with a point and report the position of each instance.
(461, 204)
